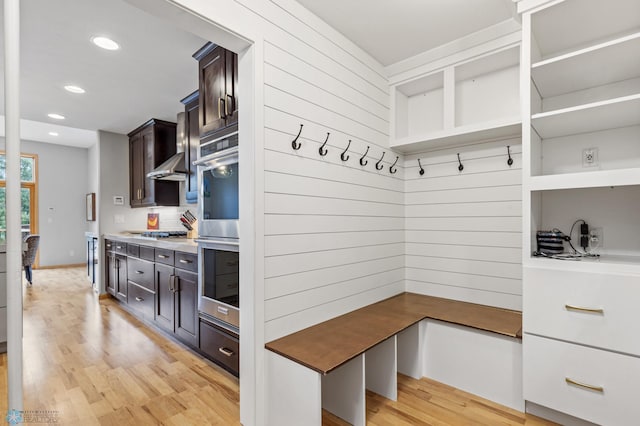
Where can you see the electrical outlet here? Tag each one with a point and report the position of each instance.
(596, 238)
(590, 157)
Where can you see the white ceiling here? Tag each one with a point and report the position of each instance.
(394, 30)
(154, 69)
(146, 78)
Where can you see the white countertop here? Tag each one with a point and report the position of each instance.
(181, 244)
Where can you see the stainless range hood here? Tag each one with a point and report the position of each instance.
(174, 167)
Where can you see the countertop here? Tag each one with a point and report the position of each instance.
(181, 244)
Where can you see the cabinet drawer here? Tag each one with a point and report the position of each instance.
(133, 250)
(549, 363)
(553, 300)
(220, 346)
(147, 253)
(141, 299)
(120, 247)
(109, 245)
(141, 272)
(164, 256)
(187, 261)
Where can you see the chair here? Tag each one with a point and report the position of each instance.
(29, 256)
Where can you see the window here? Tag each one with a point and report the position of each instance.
(29, 193)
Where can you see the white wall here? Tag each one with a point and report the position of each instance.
(62, 187)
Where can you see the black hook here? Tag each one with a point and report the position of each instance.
(342, 156)
(391, 170)
(460, 167)
(364, 162)
(378, 165)
(322, 151)
(421, 169)
(294, 143)
(510, 160)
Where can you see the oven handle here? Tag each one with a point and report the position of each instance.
(215, 242)
(215, 159)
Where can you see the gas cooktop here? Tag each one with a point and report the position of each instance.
(164, 234)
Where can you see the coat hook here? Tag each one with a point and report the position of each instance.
(460, 167)
(391, 169)
(342, 156)
(378, 165)
(294, 143)
(510, 160)
(322, 151)
(421, 169)
(364, 162)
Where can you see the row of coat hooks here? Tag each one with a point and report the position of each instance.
(344, 156)
(461, 166)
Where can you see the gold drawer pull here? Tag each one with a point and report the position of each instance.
(225, 351)
(185, 261)
(163, 256)
(584, 385)
(139, 299)
(581, 309)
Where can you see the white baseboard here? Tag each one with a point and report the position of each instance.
(555, 416)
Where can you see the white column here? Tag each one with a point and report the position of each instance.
(14, 237)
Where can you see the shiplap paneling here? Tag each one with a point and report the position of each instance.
(334, 230)
(463, 229)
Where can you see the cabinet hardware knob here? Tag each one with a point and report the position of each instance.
(582, 309)
(225, 351)
(139, 299)
(584, 385)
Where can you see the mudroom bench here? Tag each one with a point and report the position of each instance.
(331, 364)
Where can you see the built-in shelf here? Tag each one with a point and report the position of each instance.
(591, 117)
(595, 179)
(605, 263)
(597, 65)
(497, 129)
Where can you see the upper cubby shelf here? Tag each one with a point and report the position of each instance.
(591, 117)
(474, 100)
(597, 65)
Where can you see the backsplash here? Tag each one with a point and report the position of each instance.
(169, 218)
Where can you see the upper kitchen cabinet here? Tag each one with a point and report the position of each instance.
(192, 142)
(218, 81)
(149, 146)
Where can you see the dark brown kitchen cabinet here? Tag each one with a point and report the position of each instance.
(192, 143)
(120, 277)
(218, 87)
(177, 297)
(149, 146)
(220, 345)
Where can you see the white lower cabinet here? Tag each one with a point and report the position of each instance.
(593, 384)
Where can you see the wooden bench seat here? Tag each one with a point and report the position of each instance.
(330, 344)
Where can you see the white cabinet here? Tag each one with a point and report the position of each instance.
(580, 78)
(473, 100)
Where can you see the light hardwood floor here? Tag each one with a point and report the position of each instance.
(95, 364)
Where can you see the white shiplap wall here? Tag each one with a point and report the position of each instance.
(463, 229)
(334, 230)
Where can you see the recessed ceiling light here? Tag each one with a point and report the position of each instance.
(74, 89)
(105, 43)
(53, 133)
(56, 116)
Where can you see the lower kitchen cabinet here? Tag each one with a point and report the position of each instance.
(186, 306)
(116, 276)
(165, 316)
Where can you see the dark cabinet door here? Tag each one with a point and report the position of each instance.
(192, 139)
(165, 297)
(136, 165)
(212, 70)
(121, 277)
(186, 306)
(231, 81)
(148, 164)
(110, 273)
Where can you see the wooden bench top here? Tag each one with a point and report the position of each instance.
(325, 346)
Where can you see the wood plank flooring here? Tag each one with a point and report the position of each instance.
(95, 364)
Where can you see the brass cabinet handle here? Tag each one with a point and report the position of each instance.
(139, 299)
(584, 385)
(119, 247)
(225, 351)
(581, 309)
(187, 261)
(221, 106)
(163, 256)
